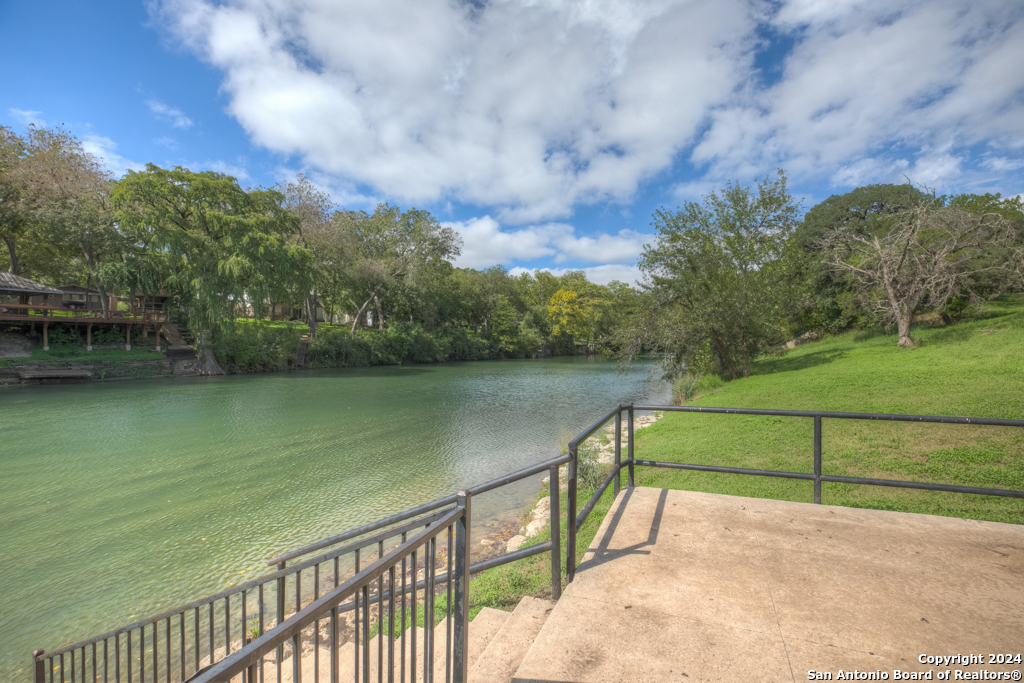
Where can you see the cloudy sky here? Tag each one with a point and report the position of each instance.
(545, 131)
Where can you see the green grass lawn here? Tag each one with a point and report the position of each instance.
(975, 368)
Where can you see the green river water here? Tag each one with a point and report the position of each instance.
(107, 490)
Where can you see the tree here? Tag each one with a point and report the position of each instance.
(213, 243)
(566, 314)
(13, 218)
(382, 249)
(68, 191)
(927, 254)
(720, 275)
(831, 305)
(317, 234)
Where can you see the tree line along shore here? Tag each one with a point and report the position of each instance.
(263, 278)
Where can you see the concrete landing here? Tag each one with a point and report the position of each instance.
(683, 586)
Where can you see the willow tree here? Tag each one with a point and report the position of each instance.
(214, 244)
(720, 277)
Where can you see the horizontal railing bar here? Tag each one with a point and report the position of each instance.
(594, 427)
(724, 470)
(944, 419)
(950, 488)
(894, 483)
(585, 512)
(372, 540)
(250, 654)
(365, 529)
(520, 474)
(538, 549)
(266, 578)
(447, 500)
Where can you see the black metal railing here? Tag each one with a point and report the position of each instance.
(178, 644)
(251, 630)
(614, 476)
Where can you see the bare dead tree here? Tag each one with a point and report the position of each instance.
(929, 256)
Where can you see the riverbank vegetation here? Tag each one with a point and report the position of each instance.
(736, 277)
(727, 280)
(224, 256)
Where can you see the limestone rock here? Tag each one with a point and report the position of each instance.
(514, 543)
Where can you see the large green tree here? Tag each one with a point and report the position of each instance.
(67, 191)
(386, 248)
(720, 275)
(214, 244)
(927, 255)
(831, 305)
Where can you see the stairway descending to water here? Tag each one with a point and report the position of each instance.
(498, 643)
(178, 337)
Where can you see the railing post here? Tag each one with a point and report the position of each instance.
(556, 542)
(629, 447)
(618, 452)
(280, 617)
(460, 613)
(40, 666)
(817, 459)
(570, 527)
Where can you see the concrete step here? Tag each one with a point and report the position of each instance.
(503, 655)
(481, 631)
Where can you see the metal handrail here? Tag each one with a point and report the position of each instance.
(432, 516)
(614, 476)
(244, 660)
(173, 622)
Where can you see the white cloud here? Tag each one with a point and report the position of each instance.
(27, 116)
(172, 115)
(535, 106)
(601, 275)
(168, 142)
(625, 247)
(236, 171)
(874, 90)
(106, 149)
(1002, 163)
(527, 106)
(484, 244)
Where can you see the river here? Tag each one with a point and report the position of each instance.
(120, 500)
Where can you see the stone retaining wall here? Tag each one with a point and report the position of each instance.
(102, 371)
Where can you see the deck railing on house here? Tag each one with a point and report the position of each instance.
(247, 633)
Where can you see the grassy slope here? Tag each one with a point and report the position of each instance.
(975, 368)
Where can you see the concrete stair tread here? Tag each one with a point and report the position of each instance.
(505, 652)
(482, 629)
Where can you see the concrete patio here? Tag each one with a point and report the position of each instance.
(683, 586)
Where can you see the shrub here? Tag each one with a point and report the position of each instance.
(684, 388)
(337, 349)
(707, 384)
(255, 348)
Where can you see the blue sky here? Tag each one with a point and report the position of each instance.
(546, 131)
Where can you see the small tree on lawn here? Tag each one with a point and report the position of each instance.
(928, 256)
